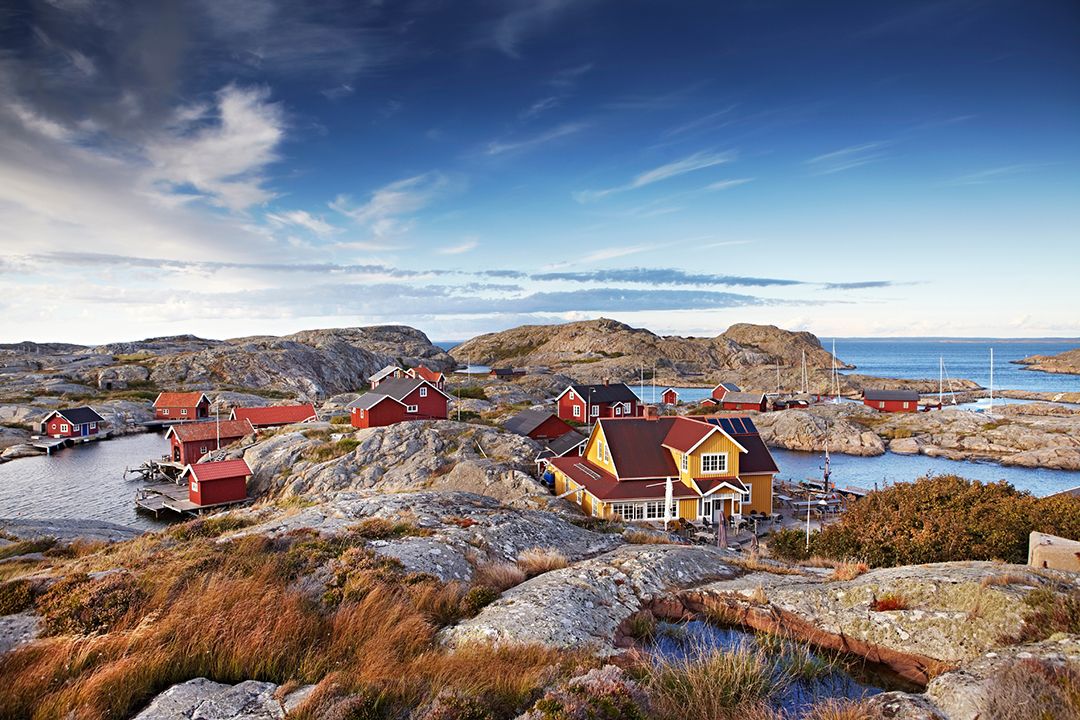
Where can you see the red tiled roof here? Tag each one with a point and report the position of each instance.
(636, 446)
(220, 470)
(430, 375)
(686, 434)
(605, 486)
(194, 432)
(276, 414)
(178, 399)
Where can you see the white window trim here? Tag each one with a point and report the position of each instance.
(907, 405)
(748, 496)
(183, 411)
(577, 411)
(93, 426)
(412, 409)
(618, 410)
(721, 471)
(203, 449)
(63, 428)
(685, 463)
(423, 392)
(164, 411)
(571, 394)
(626, 408)
(600, 449)
(595, 411)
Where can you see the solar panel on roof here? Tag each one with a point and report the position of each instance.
(750, 427)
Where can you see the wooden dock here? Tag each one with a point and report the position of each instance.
(48, 444)
(166, 496)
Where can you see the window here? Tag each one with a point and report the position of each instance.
(93, 426)
(600, 450)
(595, 411)
(881, 405)
(63, 428)
(713, 463)
(685, 463)
(165, 411)
(577, 411)
(618, 409)
(571, 394)
(423, 392)
(705, 507)
(361, 413)
(749, 494)
(202, 449)
(626, 408)
(907, 405)
(183, 411)
(412, 408)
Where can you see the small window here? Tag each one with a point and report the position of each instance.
(907, 405)
(203, 449)
(165, 411)
(749, 494)
(618, 410)
(626, 408)
(361, 413)
(595, 411)
(571, 394)
(63, 428)
(685, 463)
(423, 392)
(577, 411)
(600, 449)
(412, 408)
(93, 426)
(183, 411)
(881, 405)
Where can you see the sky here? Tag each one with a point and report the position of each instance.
(241, 167)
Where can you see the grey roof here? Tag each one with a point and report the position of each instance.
(730, 387)
(565, 443)
(743, 397)
(877, 395)
(388, 370)
(80, 415)
(527, 420)
(396, 388)
(367, 401)
(615, 392)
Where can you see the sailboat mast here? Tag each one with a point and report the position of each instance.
(805, 381)
(778, 376)
(940, 382)
(991, 379)
(836, 377)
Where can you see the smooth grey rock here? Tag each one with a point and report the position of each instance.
(202, 699)
(68, 530)
(17, 629)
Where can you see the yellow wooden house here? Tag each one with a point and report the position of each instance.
(718, 467)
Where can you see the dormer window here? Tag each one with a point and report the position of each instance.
(713, 463)
(685, 463)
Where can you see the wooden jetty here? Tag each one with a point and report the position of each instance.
(48, 444)
(160, 497)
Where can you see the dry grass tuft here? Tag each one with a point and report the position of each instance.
(843, 710)
(753, 564)
(849, 570)
(889, 601)
(644, 537)
(536, 561)
(758, 597)
(1049, 612)
(499, 576)
(1033, 689)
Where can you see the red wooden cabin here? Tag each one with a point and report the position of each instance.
(275, 415)
(743, 401)
(670, 397)
(75, 422)
(723, 389)
(584, 403)
(190, 441)
(538, 424)
(181, 406)
(216, 483)
(398, 400)
(892, 400)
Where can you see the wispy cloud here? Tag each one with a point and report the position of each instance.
(338, 92)
(460, 248)
(389, 208)
(860, 285)
(569, 77)
(709, 120)
(995, 174)
(726, 184)
(692, 163)
(540, 106)
(525, 18)
(848, 158)
(663, 276)
(302, 219)
(501, 147)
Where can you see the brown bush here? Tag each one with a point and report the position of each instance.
(849, 570)
(498, 576)
(889, 601)
(535, 561)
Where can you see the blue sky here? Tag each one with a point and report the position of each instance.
(234, 168)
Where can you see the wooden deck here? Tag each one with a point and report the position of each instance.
(160, 497)
(48, 444)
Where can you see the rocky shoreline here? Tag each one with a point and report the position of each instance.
(1063, 363)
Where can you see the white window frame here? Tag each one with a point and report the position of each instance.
(707, 507)
(423, 392)
(748, 496)
(600, 449)
(63, 428)
(361, 413)
(164, 411)
(618, 410)
(907, 405)
(626, 408)
(571, 394)
(710, 456)
(881, 405)
(183, 411)
(685, 463)
(596, 411)
(412, 409)
(203, 449)
(93, 426)
(577, 411)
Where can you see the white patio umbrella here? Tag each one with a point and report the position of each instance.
(669, 492)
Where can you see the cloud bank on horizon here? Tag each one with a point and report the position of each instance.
(230, 168)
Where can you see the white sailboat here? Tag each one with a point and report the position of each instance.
(835, 374)
(986, 405)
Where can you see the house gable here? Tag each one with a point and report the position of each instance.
(598, 452)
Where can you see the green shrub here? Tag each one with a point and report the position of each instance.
(939, 519)
(477, 598)
(209, 527)
(789, 544)
(330, 451)
(471, 392)
(1049, 612)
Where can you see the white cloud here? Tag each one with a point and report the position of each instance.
(529, 16)
(848, 158)
(223, 160)
(460, 248)
(500, 147)
(983, 177)
(692, 163)
(387, 211)
(302, 219)
(540, 106)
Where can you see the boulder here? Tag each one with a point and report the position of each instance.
(68, 530)
(202, 699)
(17, 629)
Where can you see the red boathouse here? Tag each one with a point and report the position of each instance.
(275, 415)
(398, 400)
(181, 406)
(670, 397)
(538, 424)
(743, 401)
(217, 483)
(892, 400)
(425, 373)
(190, 441)
(75, 422)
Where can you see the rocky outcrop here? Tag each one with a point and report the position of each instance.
(427, 455)
(17, 629)
(456, 530)
(202, 699)
(593, 350)
(66, 530)
(1022, 435)
(583, 605)
(1067, 362)
(953, 612)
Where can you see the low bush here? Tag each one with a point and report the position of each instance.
(80, 605)
(641, 626)
(644, 537)
(471, 392)
(477, 598)
(601, 694)
(936, 519)
(535, 561)
(16, 596)
(849, 570)
(330, 451)
(209, 527)
(1049, 611)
